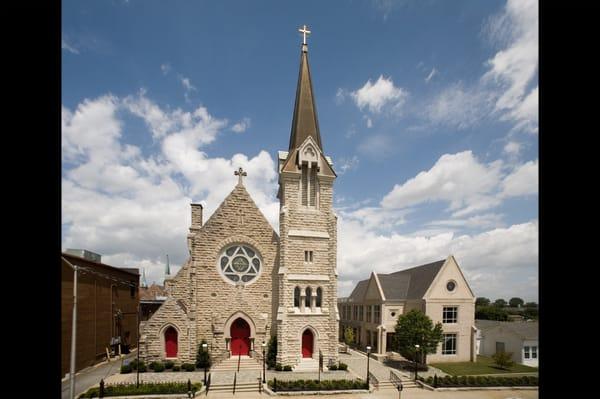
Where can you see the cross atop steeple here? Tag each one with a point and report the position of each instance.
(240, 174)
(304, 32)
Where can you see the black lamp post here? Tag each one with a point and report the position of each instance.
(400, 387)
(264, 360)
(368, 356)
(204, 348)
(416, 356)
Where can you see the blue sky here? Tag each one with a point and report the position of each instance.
(428, 109)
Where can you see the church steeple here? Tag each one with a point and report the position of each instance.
(304, 122)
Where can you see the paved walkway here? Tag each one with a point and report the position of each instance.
(390, 394)
(91, 376)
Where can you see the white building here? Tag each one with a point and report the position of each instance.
(518, 337)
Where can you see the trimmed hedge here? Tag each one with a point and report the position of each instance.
(314, 385)
(287, 368)
(169, 364)
(176, 368)
(333, 367)
(146, 388)
(480, 381)
(342, 366)
(125, 369)
(188, 366)
(159, 367)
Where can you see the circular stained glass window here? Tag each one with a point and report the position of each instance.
(239, 264)
(450, 286)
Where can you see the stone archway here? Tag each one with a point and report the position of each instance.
(308, 342)
(241, 332)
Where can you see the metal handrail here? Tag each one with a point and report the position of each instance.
(234, 381)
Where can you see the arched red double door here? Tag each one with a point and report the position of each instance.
(240, 337)
(171, 342)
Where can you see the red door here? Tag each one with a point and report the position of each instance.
(171, 342)
(240, 338)
(307, 343)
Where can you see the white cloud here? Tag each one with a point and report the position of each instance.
(522, 181)
(66, 46)
(514, 68)
(133, 208)
(340, 96)
(346, 164)
(459, 179)
(241, 126)
(457, 106)
(374, 96)
(165, 68)
(369, 123)
(512, 148)
(490, 260)
(431, 75)
(187, 84)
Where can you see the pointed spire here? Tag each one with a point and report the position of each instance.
(304, 122)
(144, 284)
(167, 268)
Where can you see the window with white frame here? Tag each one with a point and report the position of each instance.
(534, 352)
(450, 314)
(449, 344)
(530, 352)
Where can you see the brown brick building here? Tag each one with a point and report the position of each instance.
(107, 305)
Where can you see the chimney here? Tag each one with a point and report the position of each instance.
(196, 216)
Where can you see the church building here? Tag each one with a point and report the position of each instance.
(244, 282)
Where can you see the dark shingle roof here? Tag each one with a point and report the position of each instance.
(410, 283)
(359, 291)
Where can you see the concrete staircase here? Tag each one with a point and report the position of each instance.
(231, 364)
(406, 384)
(307, 364)
(239, 387)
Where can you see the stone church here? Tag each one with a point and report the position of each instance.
(244, 282)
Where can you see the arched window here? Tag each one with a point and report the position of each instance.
(307, 298)
(319, 297)
(309, 185)
(297, 297)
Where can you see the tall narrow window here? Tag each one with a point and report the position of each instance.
(377, 314)
(309, 186)
(297, 297)
(368, 313)
(319, 297)
(308, 256)
(308, 296)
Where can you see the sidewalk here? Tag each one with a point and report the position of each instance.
(91, 376)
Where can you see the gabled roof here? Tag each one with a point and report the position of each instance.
(523, 329)
(410, 283)
(304, 121)
(405, 284)
(359, 291)
(153, 293)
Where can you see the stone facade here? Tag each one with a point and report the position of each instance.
(219, 284)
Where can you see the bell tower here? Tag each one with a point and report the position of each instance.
(307, 317)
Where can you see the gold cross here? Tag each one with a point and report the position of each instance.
(240, 173)
(304, 32)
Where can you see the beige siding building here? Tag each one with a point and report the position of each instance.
(517, 337)
(438, 289)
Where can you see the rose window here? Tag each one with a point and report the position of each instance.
(240, 264)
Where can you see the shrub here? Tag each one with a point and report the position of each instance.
(176, 368)
(169, 364)
(435, 381)
(203, 357)
(159, 367)
(152, 364)
(314, 385)
(287, 368)
(343, 366)
(144, 389)
(429, 380)
(125, 369)
(503, 360)
(278, 367)
(188, 366)
(142, 367)
(333, 367)
(272, 352)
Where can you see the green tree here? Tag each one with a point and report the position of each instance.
(416, 328)
(491, 313)
(482, 301)
(531, 313)
(515, 302)
(272, 351)
(500, 303)
(503, 359)
(532, 305)
(203, 357)
(348, 336)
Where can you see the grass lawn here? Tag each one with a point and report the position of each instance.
(484, 365)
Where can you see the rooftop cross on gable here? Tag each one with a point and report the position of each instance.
(240, 174)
